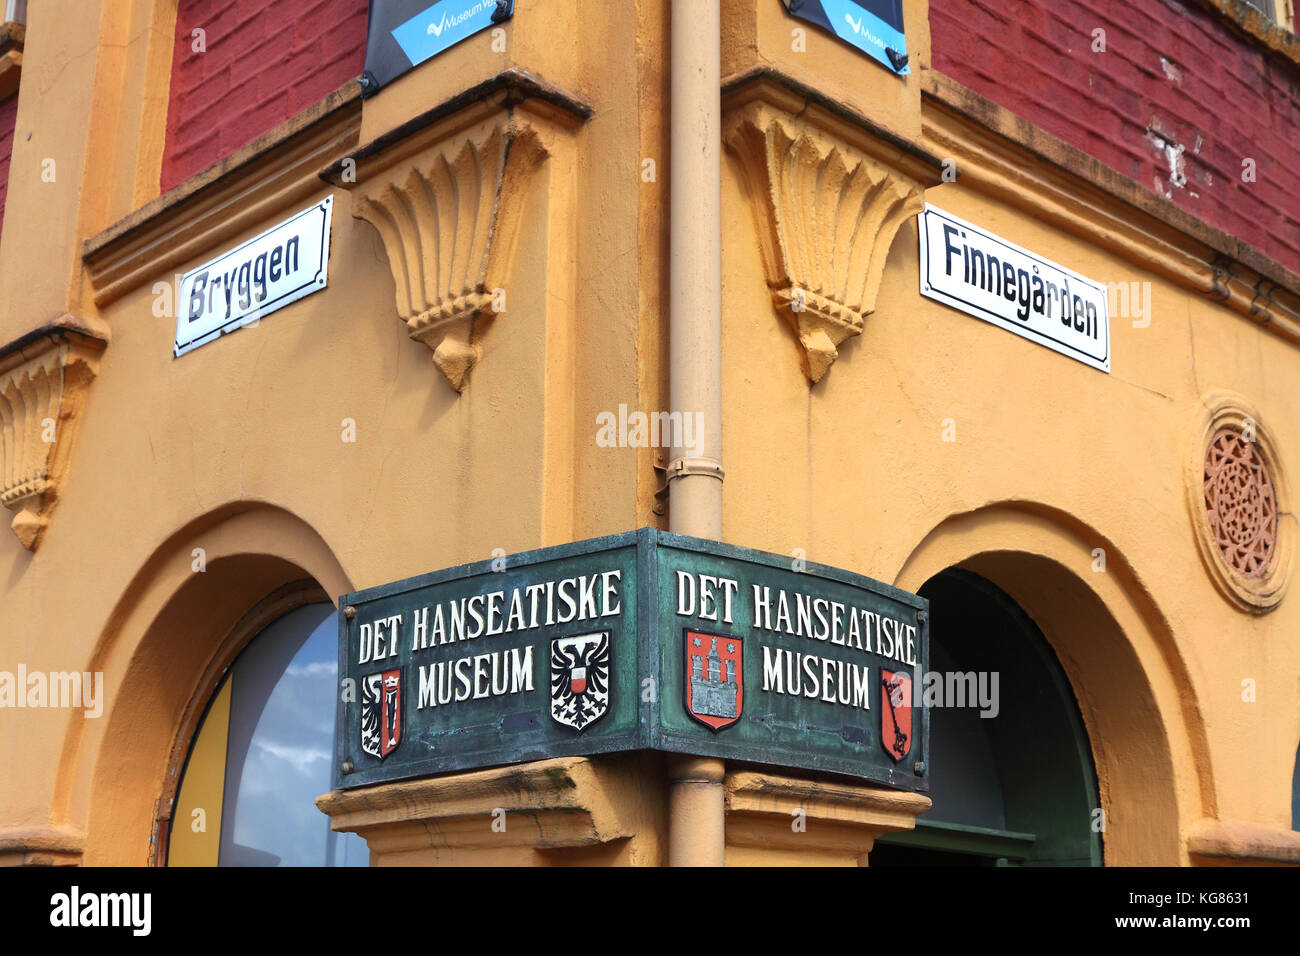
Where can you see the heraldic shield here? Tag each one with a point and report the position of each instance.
(580, 679)
(715, 679)
(895, 714)
(381, 713)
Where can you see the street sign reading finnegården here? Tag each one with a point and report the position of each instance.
(639, 641)
(976, 272)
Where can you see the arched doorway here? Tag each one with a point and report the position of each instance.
(1141, 710)
(1012, 780)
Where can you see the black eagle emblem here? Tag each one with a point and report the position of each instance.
(580, 679)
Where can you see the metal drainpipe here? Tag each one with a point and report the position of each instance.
(696, 810)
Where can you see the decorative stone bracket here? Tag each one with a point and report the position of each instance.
(829, 190)
(43, 380)
(607, 809)
(842, 820)
(12, 37)
(445, 192)
(562, 806)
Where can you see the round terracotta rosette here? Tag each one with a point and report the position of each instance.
(1239, 503)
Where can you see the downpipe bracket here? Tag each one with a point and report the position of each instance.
(682, 467)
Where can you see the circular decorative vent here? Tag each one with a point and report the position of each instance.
(1241, 503)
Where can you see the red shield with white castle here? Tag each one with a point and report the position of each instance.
(715, 679)
(895, 714)
(381, 713)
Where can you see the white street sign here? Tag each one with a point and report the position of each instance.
(254, 279)
(982, 275)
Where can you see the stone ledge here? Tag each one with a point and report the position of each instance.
(1249, 22)
(840, 820)
(772, 85)
(505, 91)
(1068, 188)
(45, 845)
(1223, 841)
(568, 802)
(247, 188)
(756, 792)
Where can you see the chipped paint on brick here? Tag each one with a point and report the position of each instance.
(1173, 155)
(1172, 104)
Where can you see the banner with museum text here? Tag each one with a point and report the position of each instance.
(639, 641)
(402, 34)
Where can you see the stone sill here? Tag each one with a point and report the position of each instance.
(1219, 842)
(239, 163)
(965, 102)
(248, 187)
(1257, 29)
(46, 845)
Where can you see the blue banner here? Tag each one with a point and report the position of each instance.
(405, 33)
(443, 25)
(877, 32)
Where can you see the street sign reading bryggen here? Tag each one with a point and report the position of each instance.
(639, 641)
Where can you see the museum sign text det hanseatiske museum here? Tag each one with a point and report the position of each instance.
(639, 641)
(419, 420)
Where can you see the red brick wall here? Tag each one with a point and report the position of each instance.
(1173, 75)
(266, 60)
(8, 119)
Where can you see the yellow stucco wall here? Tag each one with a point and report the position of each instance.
(237, 448)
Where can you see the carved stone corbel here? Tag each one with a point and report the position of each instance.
(43, 380)
(445, 194)
(828, 202)
(559, 809)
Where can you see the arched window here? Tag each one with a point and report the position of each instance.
(263, 754)
(1016, 786)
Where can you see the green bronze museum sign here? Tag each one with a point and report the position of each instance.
(638, 641)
